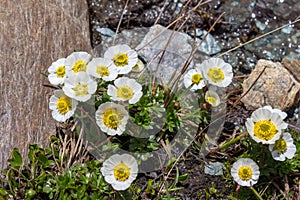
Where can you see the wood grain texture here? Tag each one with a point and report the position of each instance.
(33, 34)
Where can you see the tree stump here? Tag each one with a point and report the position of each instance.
(33, 34)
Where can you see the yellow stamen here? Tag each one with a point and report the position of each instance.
(245, 173)
(121, 172)
(211, 100)
(63, 105)
(264, 130)
(196, 78)
(60, 71)
(125, 92)
(80, 89)
(215, 74)
(80, 65)
(120, 59)
(102, 71)
(112, 118)
(280, 145)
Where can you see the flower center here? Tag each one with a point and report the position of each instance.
(280, 145)
(245, 173)
(80, 89)
(215, 74)
(60, 71)
(211, 100)
(102, 71)
(139, 66)
(120, 59)
(121, 172)
(125, 92)
(196, 78)
(80, 65)
(112, 118)
(264, 130)
(63, 105)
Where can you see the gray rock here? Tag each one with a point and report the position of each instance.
(276, 86)
(178, 48)
(209, 45)
(150, 43)
(130, 37)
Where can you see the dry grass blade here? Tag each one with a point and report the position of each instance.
(174, 22)
(238, 100)
(188, 61)
(173, 88)
(120, 21)
(259, 37)
(235, 103)
(161, 12)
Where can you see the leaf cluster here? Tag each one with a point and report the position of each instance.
(46, 176)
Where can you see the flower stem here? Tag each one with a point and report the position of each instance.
(231, 142)
(256, 193)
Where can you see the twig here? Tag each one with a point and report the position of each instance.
(119, 24)
(161, 11)
(237, 101)
(172, 23)
(259, 37)
(278, 188)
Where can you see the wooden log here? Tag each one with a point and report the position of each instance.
(33, 34)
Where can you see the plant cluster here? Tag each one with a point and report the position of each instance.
(51, 174)
(118, 99)
(270, 142)
(120, 112)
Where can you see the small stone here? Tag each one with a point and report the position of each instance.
(214, 168)
(276, 87)
(106, 32)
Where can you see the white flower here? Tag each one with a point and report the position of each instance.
(283, 148)
(124, 58)
(125, 89)
(212, 98)
(265, 125)
(79, 86)
(77, 61)
(120, 171)
(282, 114)
(217, 72)
(245, 172)
(102, 68)
(112, 118)
(57, 72)
(62, 106)
(194, 77)
(139, 66)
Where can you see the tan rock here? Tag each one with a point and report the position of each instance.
(293, 67)
(276, 86)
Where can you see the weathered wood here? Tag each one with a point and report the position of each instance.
(33, 34)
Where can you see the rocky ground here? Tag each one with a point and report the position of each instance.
(243, 20)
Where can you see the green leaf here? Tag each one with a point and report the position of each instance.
(47, 189)
(43, 159)
(30, 193)
(183, 177)
(16, 159)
